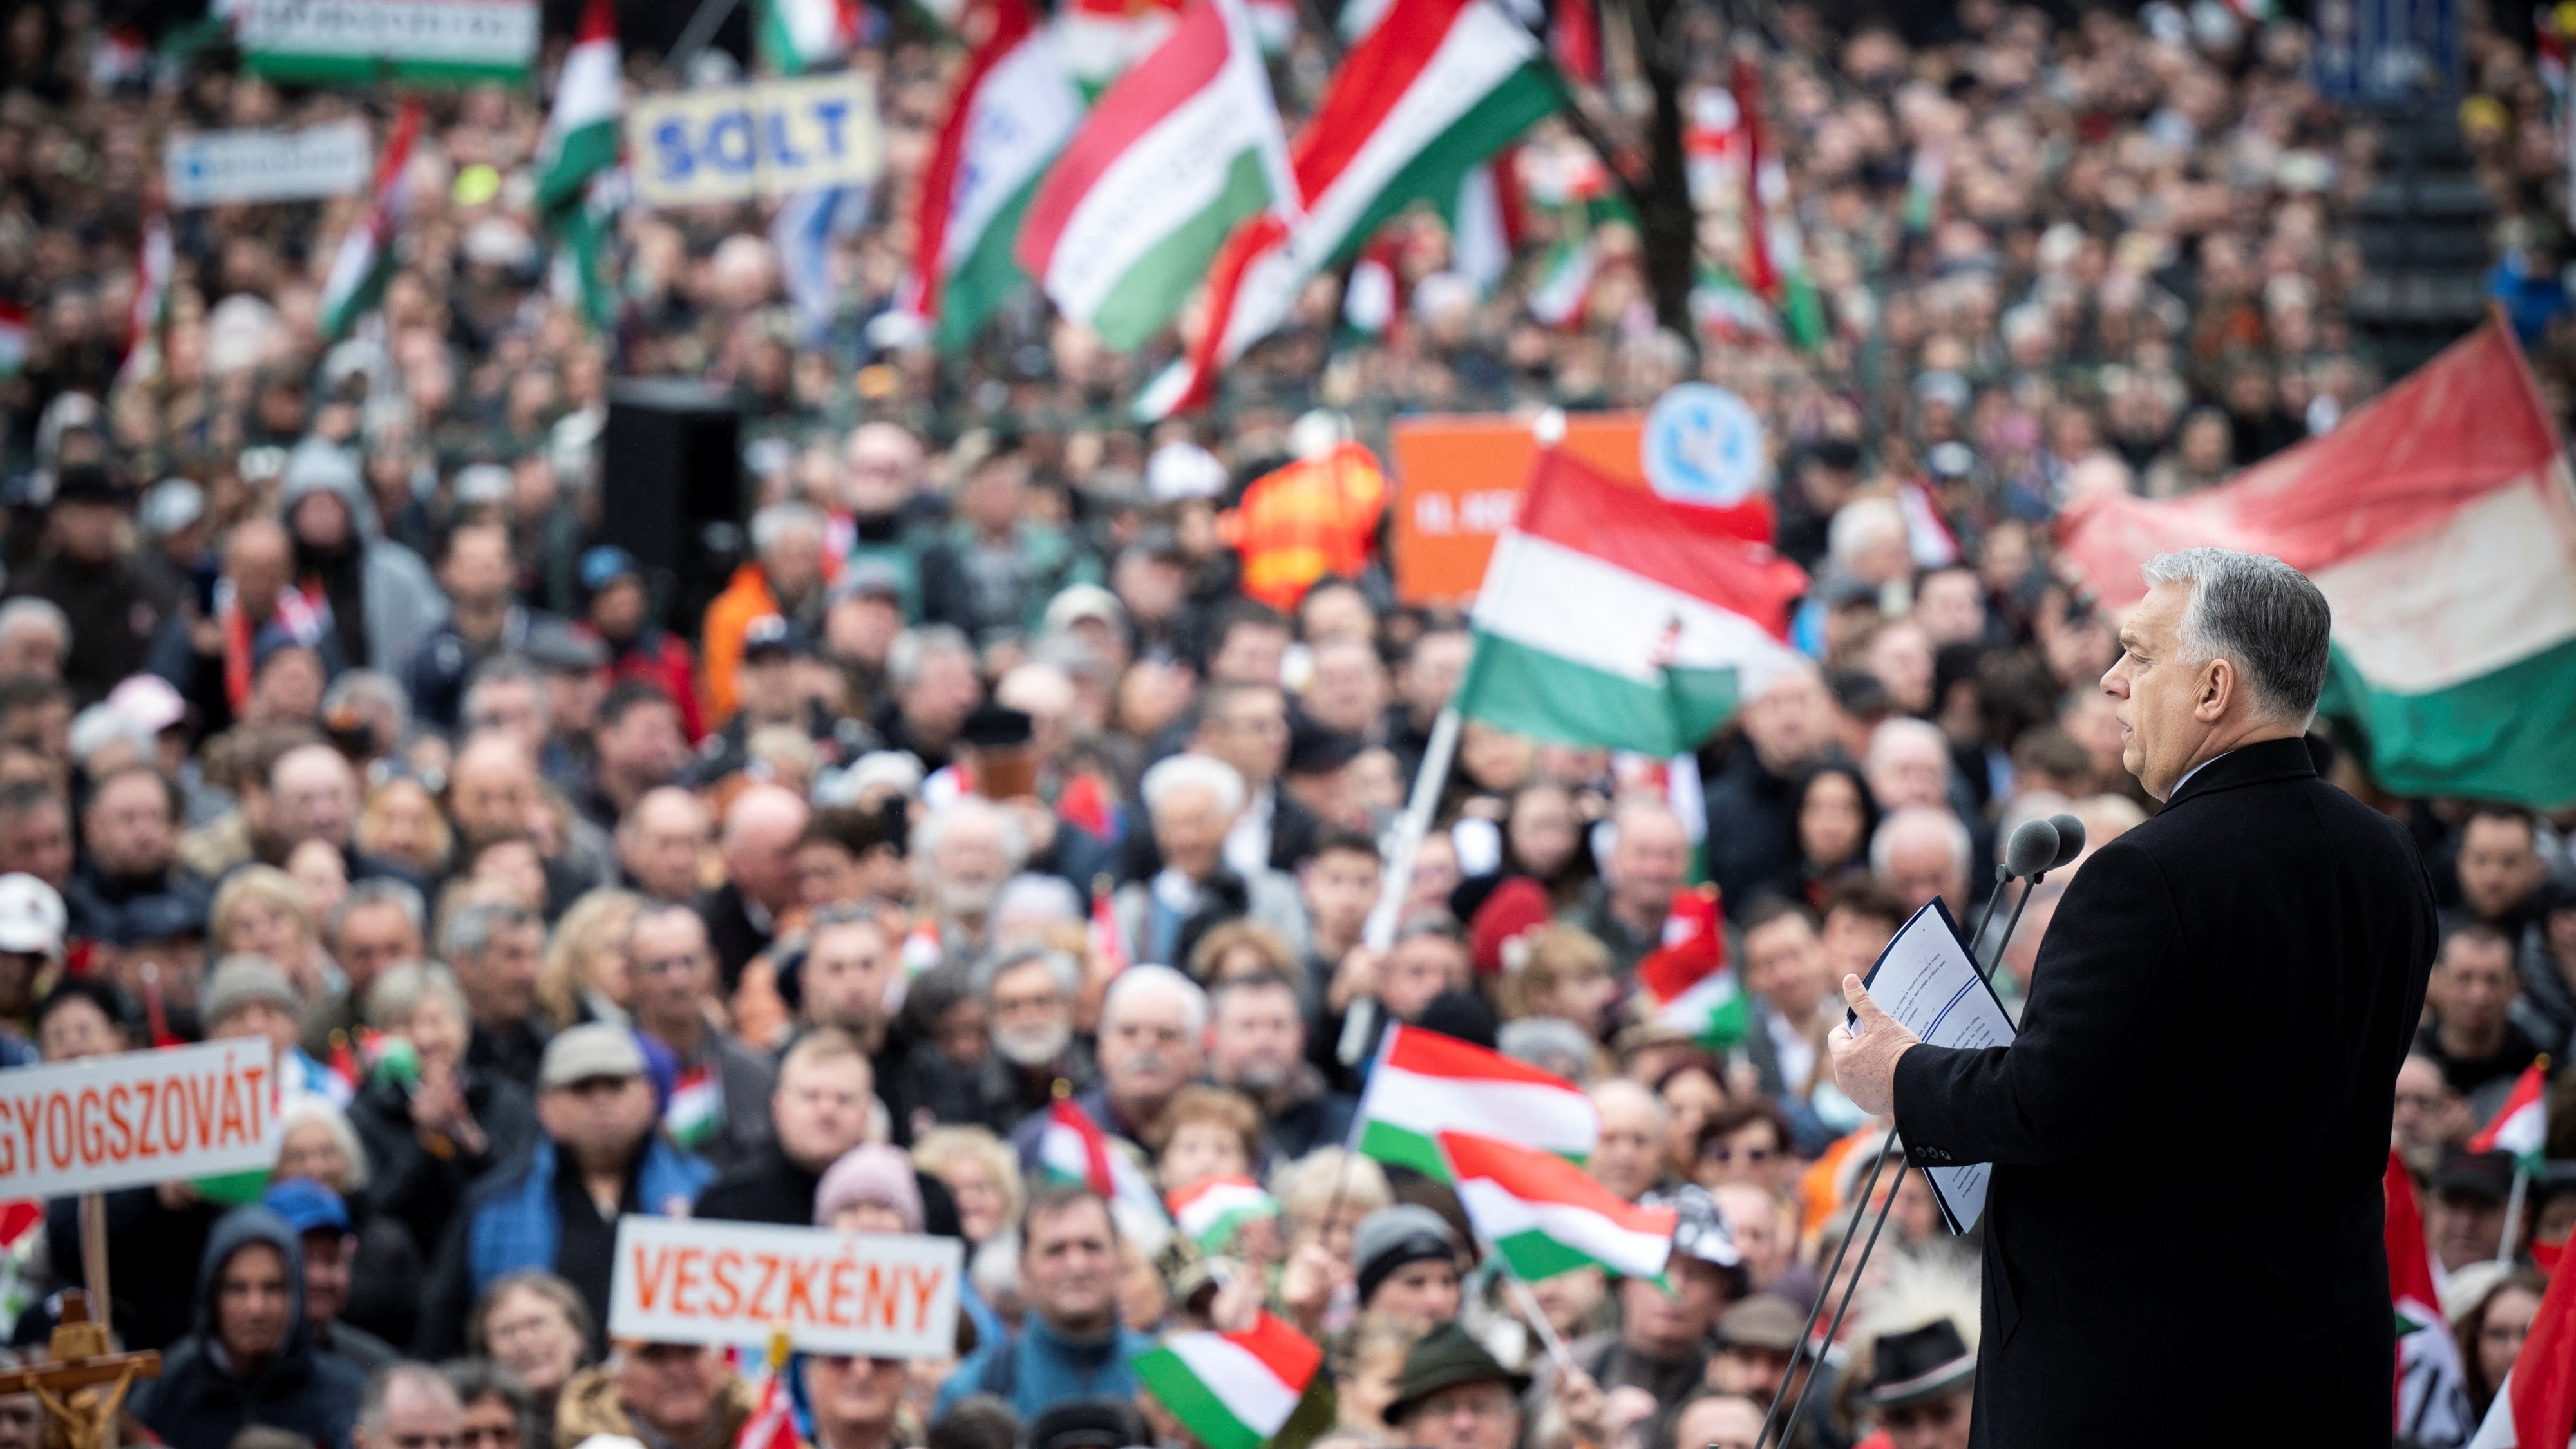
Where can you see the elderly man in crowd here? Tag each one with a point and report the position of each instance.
(1151, 1042)
(598, 1157)
(496, 948)
(1194, 801)
(661, 844)
(720, 1092)
(1649, 860)
(1028, 997)
(961, 854)
(378, 925)
(759, 848)
(405, 1405)
(1256, 1044)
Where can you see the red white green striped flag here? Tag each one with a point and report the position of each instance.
(1210, 1213)
(1547, 1216)
(2521, 1125)
(695, 1112)
(1103, 39)
(798, 35)
(580, 140)
(1014, 108)
(1184, 146)
(365, 260)
(1423, 1084)
(1684, 980)
(1232, 1390)
(1612, 617)
(1074, 1149)
(2439, 520)
(1775, 262)
(153, 263)
(1437, 88)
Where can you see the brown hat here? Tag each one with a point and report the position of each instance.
(1445, 1358)
(1765, 1321)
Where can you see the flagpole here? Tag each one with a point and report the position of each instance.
(2512, 1213)
(1530, 1309)
(1410, 827)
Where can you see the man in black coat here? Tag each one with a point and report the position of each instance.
(252, 1359)
(2219, 1010)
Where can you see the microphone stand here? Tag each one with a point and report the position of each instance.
(1807, 1345)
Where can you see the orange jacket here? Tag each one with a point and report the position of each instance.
(720, 642)
(1314, 517)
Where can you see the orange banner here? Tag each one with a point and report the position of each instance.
(1458, 483)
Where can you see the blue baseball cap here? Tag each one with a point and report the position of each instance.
(605, 565)
(307, 1206)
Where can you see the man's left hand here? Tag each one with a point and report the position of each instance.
(1865, 1065)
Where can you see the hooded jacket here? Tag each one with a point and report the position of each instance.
(201, 1401)
(398, 597)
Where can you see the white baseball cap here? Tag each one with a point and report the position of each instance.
(31, 915)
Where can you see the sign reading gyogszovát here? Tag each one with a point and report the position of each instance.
(137, 1118)
(211, 168)
(731, 143)
(363, 40)
(682, 1280)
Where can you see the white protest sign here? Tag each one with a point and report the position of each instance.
(731, 143)
(209, 168)
(360, 41)
(682, 1280)
(137, 1118)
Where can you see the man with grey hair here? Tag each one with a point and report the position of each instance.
(407, 1406)
(2265, 938)
(378, 924)
(35, 638)
(1152, 1043)
(496, 949)
(962, 853)
(1193, 801)
(1028, 994)
(1923, 851)
(937, 682)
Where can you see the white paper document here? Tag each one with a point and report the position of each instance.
(1928, 981)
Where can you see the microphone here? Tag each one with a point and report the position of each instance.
(2035, 847)
(2070, 840)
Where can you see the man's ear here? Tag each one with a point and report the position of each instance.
(2218, 685)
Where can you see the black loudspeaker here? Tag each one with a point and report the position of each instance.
(671, 490)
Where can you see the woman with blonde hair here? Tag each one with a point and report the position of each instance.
(262, 911)
(981, 1172)
(586, 975)
(1561, 971)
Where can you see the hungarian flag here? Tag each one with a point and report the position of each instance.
(1183, 147)
(1103, 39)
(1775, 264)
(1072, 1148)
(2537, 1404)
(1435, 90)
(1610, 616)
(580, 140)
(1232, 1390)
(1684, 980)
(2439, 519)
(1014, 108)
(153, 263)
(1210, 1213)
(1423, 1084)
(797, 35)
(2521, 1125)
(1547, 1216)
(365, 261)
(696, 1111)
(2432, 1391)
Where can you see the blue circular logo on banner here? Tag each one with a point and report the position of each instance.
(1703, 445)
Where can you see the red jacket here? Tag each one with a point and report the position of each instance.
(660, 658)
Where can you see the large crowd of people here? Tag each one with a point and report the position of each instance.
(327, 717)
